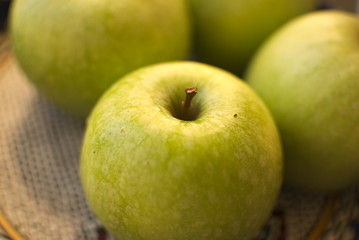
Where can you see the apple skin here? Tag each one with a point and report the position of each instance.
(227, 33)
(149, 175)
(307, 74)
(74, 50)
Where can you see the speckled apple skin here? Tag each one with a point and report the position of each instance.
(148, 175)
(74, 50)
(307, 74)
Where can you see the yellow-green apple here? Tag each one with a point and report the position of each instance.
(307, 73)
(157, 165)
(227, 33)
(74, 50)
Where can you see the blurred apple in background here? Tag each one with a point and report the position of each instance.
(308, 75)
(153, 170)
(227, 33)
(74, 50)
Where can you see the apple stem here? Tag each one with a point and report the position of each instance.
(190, 93)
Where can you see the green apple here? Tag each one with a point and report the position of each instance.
(227, 33)
(74, 50)
(307, 74)
(154, 168)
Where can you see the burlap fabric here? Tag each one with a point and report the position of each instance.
(40, 190)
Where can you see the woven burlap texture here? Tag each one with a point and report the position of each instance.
(40, 188)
